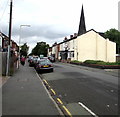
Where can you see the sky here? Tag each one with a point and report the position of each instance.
(52, 20)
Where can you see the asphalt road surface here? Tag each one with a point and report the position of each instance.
(95, 89)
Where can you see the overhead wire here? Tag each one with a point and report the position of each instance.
(4, 10)
(5, 4)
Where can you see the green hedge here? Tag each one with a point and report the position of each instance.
(92, 61)
(98, 62)
(75, 61)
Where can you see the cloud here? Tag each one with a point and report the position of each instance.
(52, 20)
(46, 31)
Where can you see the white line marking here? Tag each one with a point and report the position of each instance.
(87, 109)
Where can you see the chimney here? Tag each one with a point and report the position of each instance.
(65, 39)
(71, 36)
(75, 34)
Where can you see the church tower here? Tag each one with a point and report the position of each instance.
(82, 26)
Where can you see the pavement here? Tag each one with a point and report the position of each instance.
(25, 94)
(113, 72)
(3, 79)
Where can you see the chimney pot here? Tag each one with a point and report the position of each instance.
(71, 36)
(75, 34)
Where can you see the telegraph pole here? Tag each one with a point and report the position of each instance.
(10, 31)
(10, 23)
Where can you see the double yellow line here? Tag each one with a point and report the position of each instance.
(68, 112)
(46, 82)
(53, 91)
(49, 87)
(58, 99)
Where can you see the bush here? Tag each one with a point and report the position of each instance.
(93, 61)
(76, 61)
(112, 63)
(98, 62)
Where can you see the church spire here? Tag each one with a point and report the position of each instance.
(82, 26)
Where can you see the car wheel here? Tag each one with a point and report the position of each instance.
(37, 71)
(52, 70)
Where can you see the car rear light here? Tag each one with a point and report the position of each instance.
(50, 65)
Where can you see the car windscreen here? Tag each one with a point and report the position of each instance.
(44, 62)
(35, 58)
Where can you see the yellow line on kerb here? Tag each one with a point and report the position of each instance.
(45, 81)
(58, 99)
(53, 91)
(67, 111)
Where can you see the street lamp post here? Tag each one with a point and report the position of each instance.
(20, 40)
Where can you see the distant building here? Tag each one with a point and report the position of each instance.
(85, 45)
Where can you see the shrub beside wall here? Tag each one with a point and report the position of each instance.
(98, 64)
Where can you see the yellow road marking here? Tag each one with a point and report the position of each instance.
(67, 111)
(59, 101)
(53, 91)
(45, 81)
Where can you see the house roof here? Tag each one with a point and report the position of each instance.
(68, 40)
(100, 33)
(7, 38)
(2, 34)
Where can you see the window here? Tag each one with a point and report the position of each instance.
(72, 54)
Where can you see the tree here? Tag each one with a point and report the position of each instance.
(114, 35)
(24, 50)
(40, 48)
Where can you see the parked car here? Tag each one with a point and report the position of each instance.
(29, 58)
(33, 61)
(51, 58)
(36, 61)
(44, 65)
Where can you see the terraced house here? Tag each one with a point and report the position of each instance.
(85, 45)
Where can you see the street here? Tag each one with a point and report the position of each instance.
(59, 58)
(75, 86)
